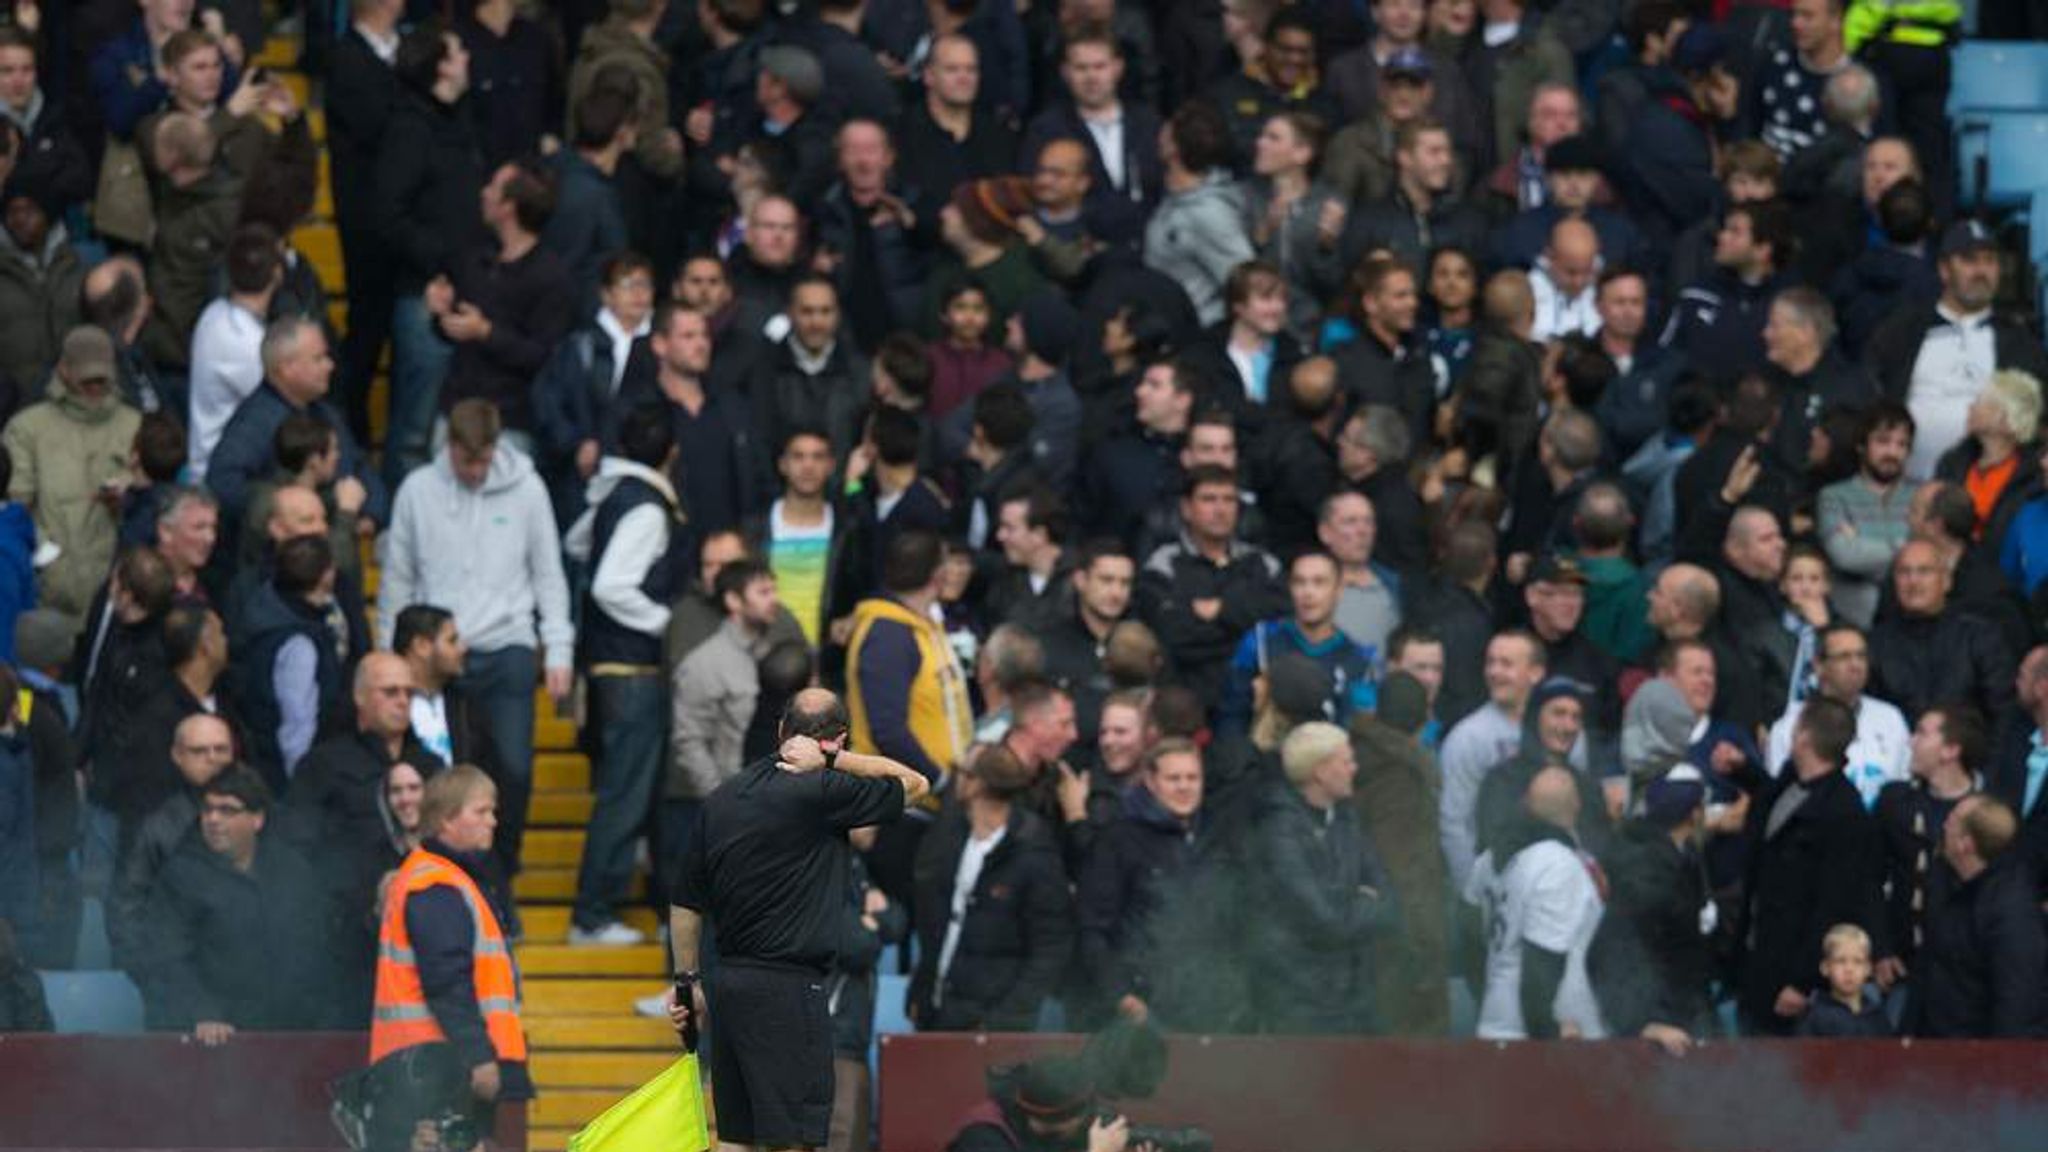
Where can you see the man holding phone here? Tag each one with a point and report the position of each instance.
(769, 864)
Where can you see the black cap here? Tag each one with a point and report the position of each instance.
(1410, 63)
(1702, 48)
(1404, 703)
(1671, 798)
(1298, 686)
(1055, 1089)
(1572, 154)
(1965, 236)
(1555, 568)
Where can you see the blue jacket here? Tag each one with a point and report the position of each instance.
(247, 451)
(17, 571)
(1667, 172)
(1353, 669)
(125, 81)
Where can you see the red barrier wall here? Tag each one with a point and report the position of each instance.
(161, 1092)
(1258, 1094)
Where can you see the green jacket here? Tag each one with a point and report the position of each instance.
(614, 47)
(1617, 606)
(1528, 62)
(38, 304)
(64, 449)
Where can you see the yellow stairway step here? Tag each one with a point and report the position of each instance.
(551, 732)
(549, 1139)
(559, 885)
(559, 808)
(279, 54)
(584, 996)
(320, 244)
(337, 315)
(620, 1070)
(570, 1109)
(546, 846)
(560, 771)
(569, 960)
(549, 923)
(301, 86)
(583, 1033)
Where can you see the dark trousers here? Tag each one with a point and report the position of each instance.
(501, 682)
(892, 861)
(370, 300)
(632, 714)
(1919, 77)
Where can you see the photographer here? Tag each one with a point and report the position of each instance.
(1045, 1106)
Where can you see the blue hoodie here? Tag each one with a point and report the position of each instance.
(17, 571)
(1353, 669)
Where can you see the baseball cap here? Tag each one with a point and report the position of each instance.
(1055, 1089)
(1554, 568)
(1410, 63)
(1701, 48)
(1572, 154)
(1965, 236)
(1672, 797)
(88, 354)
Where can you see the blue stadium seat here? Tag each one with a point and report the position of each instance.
(1994, 75)
(2014, 147)
(891, 991)
(104, 1002)
(2037, 227)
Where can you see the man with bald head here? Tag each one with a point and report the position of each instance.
(1930, 650)
(1543, 907)
(296, 513)
(875, 234)
(769, 867)
(116, 299)
(1564, 281)
(202, 745)
(336, 812)
(1685, 604)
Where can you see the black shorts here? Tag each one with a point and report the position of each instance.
(771, 1054)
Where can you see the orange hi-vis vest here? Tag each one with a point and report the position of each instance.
(401, 1019)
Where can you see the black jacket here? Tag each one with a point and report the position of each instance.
(428, 174)
(337, 813)
(833, 401)
(1918, 661)
(928, 156)
(1119, 214)
(1916, 877)
(1981, 969)
(1667, 171)
(249, 949)
(2006, 778)
(1127, 476)
(1395, 224)
(528, 303)
(1877, 283)
(1400, 378)
(1176, 575)
(1811, 401)
(1153, 916)
(1896, 347)
(1719, 322)
(269, 622)
(362, 91)
(1824, 867)
(1316, 899)
(1650, 963)
(1015, 940)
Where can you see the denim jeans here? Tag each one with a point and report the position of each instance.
(632, 714)
(419, 363)
(501, 682)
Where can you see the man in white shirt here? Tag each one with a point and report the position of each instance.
(1515, 664)
(227, 343)
(1565, 281)
(1543, 907)
(1937, 359)
(1883, 749)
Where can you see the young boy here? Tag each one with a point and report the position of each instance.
(1848, 1008)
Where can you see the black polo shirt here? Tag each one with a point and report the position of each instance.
(769, 863)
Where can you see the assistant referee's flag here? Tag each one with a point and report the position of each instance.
(666, 1114)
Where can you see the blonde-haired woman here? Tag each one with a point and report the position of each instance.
(1998, 462)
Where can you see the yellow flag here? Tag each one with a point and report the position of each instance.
(666, 1114)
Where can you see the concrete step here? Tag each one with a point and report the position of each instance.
(552, 846)
(568, 960)
(558, 885)
(585, 996)
(560, 771)
(623, 1071)
(559, 809)
(585, 1033)
(549, 923)
(549, 1139)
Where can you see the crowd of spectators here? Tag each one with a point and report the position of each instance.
(1369, 515)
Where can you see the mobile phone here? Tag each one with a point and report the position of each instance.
(686, 995)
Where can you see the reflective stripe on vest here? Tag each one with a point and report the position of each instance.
(401, 1018)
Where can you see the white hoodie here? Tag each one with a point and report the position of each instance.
(489, 555)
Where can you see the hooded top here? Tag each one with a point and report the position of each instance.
(1656, 731)
(487, 554)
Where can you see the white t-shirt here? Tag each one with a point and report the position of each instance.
(1547, 897)
(1881, 753)
(1954, 363)
(965, 877)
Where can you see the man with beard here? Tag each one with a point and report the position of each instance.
(1937, 359)
(1863, 519)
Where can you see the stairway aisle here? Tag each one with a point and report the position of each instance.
(589, 1049)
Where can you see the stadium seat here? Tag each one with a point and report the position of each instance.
(105, 1002)
(1998, 75)
(2012, 149)
(891, 992)
(2037, 227)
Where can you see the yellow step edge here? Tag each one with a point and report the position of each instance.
(566, 809)
(570, 1109)
(552, 846)
(549, 923)
(561, 772)
(584, 996)
(585, 1033)
(538, 960)
(623, 1071)
(558, 885)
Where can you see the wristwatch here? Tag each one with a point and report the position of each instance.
(831, 755)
